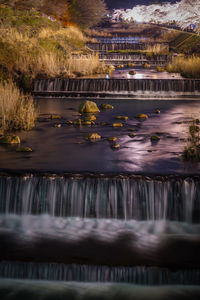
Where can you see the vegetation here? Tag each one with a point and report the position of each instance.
(16, 110)
(145, 52)
(189, 67)
(192, 149)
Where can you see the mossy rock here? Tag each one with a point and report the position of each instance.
(88, 107)
(131, 65)
(155, 138)
(92, 137)
(124, 118)
(157, 111)
(24, 149)
(146, 66)
(132, 72)
(142, 116)
(112, 139)
(87, 123)
(115, 146)
(69, 122)
(55, 117)
(77, 122)
(160, 69)
(117, 125)
(131, 129)
(104, 124)
(106, 106)
(10, 139)
(90, 118)
(57, 125)
(132, 135)
(120, 66)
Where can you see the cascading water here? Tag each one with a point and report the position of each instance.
(127, 198)
(170, 87)
(104, 47)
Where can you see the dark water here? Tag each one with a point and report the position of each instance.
(65, 148)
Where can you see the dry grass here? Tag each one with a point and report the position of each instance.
(158, 49)
(189, 67)
(192, 149)
(16, 110)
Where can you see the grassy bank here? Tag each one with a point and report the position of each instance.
(188, 67)
(36, 46)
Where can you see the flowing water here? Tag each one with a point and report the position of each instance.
(76, 222)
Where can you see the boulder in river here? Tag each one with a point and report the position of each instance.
(10, 139)
(88, 107)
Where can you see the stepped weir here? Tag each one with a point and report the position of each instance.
(117, 87)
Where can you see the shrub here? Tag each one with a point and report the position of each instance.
(192, 149)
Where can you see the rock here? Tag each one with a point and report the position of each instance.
(55, 117)
(131, 65)
(77, 122)
(88, 107)
(132, 135)
(87, 123)
(121, 118)
(157, 111)
(115, 146)
(117, 125)
(10, 139)
(132, 72)
(112, 139)
(155, 138)
(160, 69)
(24, 149)
(106, 106)
(90, 118)
(146, 66)
(131, 129)
(57, 125)
(69, 122)
(120, 66)
(92, 137)
(142, 116)
(104, 123)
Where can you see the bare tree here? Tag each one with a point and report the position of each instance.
(87, 13)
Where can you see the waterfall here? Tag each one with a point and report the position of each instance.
(85, 273)
(114, 86)
(100, 197)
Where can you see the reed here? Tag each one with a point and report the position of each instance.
(17, 111)
(188, 67)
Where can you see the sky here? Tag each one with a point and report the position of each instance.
(130, 3)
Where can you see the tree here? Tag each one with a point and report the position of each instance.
(50, 7)
(87, 13)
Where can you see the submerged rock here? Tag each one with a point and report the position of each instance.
(58, 125)
(131, 65)
(121, 118)
(87, 123)
(88, 107)
(157, 111)
(132, 72)
(131, 129)
(132, 135)
(142, 116)
(69, 122)
(146, 66)
(155, 138)
(10, 139)
(89, 118)
(115, 146)
(117, 125)
(112, 139)
(24, 149)
(92, 137)
(104, 106)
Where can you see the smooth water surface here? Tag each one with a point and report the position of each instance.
(65, 148)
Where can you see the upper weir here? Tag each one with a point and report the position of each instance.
(104, 47)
